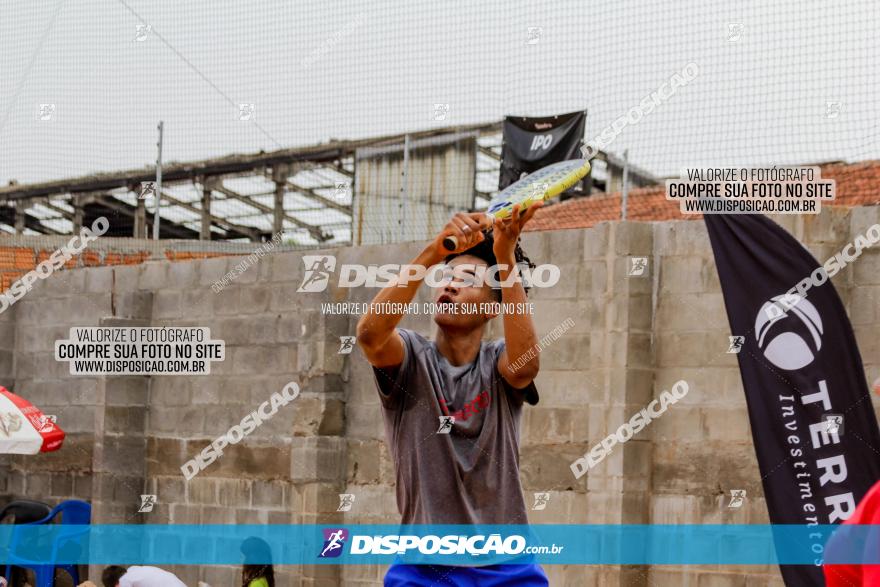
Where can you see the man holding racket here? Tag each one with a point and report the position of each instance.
(469, 474)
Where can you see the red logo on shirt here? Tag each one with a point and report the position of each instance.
(472, 408)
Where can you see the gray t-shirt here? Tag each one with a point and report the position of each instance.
(471, 474)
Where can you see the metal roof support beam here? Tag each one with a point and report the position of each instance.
(315, 231)
(77, 215)
(12, 217)
(140, 219)
(20, 216)
(279, 176)
(44, 228)
(310, 192)
(340, 168)
(109, 201)
(208, 184)
(245, 231)
(489, 152)
(62, 211)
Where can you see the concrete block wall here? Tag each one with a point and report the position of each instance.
(632, 338)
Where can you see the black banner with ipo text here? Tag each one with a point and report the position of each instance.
(532, 143)
(812, 420)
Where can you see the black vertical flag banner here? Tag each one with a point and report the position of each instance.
(532, 143)
(801, 371)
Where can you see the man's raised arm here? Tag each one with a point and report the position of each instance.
(377, 329)
(520, 340)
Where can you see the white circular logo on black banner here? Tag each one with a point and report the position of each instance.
(789, 331)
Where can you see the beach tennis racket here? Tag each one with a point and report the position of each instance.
(538, 186)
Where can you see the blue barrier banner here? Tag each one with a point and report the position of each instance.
(128, 544)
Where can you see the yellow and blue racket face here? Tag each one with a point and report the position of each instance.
(540, 185)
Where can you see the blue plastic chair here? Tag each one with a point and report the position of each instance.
(23, 511)
(73, 513)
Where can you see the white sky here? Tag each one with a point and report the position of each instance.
(321, 70)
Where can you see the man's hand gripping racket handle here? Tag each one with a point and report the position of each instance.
(450, 242)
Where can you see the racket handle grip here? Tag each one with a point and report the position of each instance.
(450, 243)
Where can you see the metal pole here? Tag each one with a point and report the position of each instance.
(403, 189)
(625, 184)
(158, 183)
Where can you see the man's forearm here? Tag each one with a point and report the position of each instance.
(375, 327)
(519, 331)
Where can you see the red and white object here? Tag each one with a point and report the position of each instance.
(24, 429)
